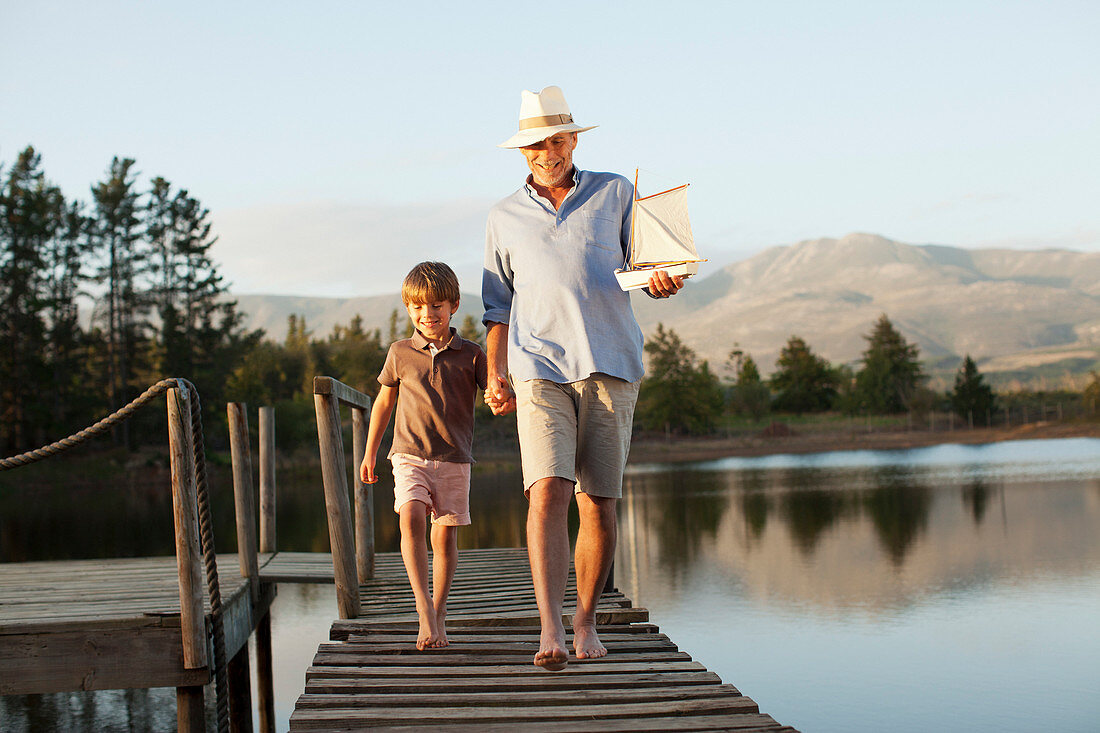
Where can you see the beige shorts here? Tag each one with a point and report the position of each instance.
(443, 487)
(578, 431)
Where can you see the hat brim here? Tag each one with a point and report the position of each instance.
(523, 138)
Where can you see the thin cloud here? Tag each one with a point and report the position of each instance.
(346, 250)
(965, 202)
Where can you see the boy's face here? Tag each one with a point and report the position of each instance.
(433, 320)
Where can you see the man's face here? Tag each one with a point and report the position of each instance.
(551, 161)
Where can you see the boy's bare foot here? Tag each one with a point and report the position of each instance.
(552, 655)
(428, 637)
(586, 642)
(441, 628)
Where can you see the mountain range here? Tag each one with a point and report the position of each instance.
(1013, 311)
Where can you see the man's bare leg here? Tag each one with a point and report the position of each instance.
(414, 552)
(548, 552)
(592, 560)
(444, 562)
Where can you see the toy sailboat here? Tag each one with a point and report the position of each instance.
(660, 238)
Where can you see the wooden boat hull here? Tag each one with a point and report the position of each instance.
(639, 278)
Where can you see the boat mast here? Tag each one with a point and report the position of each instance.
(633, 213)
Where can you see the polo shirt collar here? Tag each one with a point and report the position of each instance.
(421, 343)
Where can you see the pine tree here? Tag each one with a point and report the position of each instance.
(393, 334)
(116, 237)
(30, 218)
(471, 332)
(750, 396)
(891, 371)
(199, 326)
(356, 356)
(1092, 394)
(972, 399)
(802, 381)
(300, 363)
(63, 276)
(677, 394)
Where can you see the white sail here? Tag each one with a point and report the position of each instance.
(662, 230)
(660, 239)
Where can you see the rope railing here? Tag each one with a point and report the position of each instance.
(206, 531)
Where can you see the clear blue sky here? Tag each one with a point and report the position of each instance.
(337, 144)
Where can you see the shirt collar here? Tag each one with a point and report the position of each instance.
(421, 343)
(527, 184)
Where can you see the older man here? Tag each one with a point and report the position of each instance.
(565, 352)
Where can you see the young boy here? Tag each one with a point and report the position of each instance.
(436, 373)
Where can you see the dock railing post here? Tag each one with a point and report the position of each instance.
(267, 479)
(240, 449)
(326, 402)
(364, 499)
(189, 700)
(240, 676)
(265, 682)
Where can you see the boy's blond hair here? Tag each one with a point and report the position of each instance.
(430, 282)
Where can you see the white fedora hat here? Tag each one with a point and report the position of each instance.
(540, 116)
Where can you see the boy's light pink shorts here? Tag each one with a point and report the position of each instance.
(444, 487)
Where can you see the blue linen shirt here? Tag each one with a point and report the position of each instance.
(550, 275)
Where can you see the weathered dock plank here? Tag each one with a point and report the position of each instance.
(370, 674)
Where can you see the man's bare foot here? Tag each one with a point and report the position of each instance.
(428, 638)
(552, 655)
(586, 643)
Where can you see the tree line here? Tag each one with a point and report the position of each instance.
(682, 394)
(134, 256)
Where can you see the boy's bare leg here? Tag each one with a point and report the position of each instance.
(414, 552)
(444, 562)
(548, 552)
(592, 560)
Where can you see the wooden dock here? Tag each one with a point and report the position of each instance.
(372, 677)
(152, 622)
(108, 624)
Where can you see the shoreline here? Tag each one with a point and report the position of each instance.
(647, 449)
(650, 448)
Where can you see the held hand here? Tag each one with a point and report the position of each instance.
(499, 395)
(663, 285)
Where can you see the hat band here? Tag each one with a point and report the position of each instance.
(545, 121)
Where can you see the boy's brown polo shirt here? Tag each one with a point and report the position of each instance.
(435, 398)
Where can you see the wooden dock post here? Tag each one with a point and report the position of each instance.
(189, 700)
(239, 674)
(267, 479)
(333, 469)
(265, 680)
(241, 452)
(364, 499)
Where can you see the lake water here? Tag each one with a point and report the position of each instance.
(938, 589)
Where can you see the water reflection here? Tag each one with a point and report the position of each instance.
(826, 531)
(898, 507)
(690, 506)
(976, 495)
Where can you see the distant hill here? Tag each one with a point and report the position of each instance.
(1013, 311)
(271, 312)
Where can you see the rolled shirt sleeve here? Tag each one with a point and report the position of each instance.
(496, 280)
